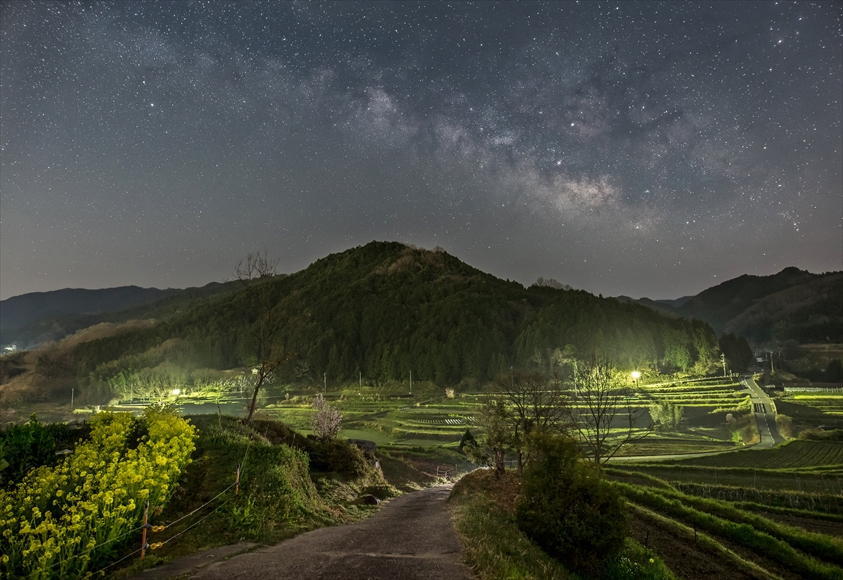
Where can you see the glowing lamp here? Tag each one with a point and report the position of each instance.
(635, 375)
(176, 392)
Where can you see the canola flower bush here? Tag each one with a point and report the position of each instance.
(67, 520)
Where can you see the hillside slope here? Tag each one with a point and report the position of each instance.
(24, 316)
(35, 318)
(385, 309)
(790, 305)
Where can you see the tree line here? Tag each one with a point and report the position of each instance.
(384, 310)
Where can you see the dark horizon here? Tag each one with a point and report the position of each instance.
(636, 148)
(523, 283)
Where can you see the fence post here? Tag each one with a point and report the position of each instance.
(144, 530)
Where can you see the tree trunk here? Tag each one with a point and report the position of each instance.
(499, 464)
(255, 397)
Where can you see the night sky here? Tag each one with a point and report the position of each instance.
(626, 148)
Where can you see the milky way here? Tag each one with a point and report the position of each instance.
(626, 148)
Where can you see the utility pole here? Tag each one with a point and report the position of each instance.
(723, 360)
(772, 370)
(324, 383)
(411, 382)
(360, 379)
(72, 396)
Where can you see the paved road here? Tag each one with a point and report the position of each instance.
(765, 414)
(410, 538)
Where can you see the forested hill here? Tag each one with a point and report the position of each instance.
(790, 305)
(385, 309)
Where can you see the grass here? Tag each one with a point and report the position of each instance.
(496, 548)
(288, 484)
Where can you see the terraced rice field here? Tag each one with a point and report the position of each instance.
(709, 393)
(827, 403)
(402, 421)
(796, 454)
(800, 466)
(419, 422)
(730, 512)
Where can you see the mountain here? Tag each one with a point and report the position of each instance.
(790, 305)
(31, 319)
(381, 310)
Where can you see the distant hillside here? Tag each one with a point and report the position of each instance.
(383, 310)
(791, 305)
(31, 319)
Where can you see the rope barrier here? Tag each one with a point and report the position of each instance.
(106, 567)
(187, 515)
(161, 528)
(156, 545)
(89, 550)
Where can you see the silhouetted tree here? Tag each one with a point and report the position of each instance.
(737, 350)
(599, 395)
(254, 272)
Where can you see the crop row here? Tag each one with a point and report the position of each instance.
(809, 554)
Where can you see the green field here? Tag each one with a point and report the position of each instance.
(795, 454)
(395, 422)
(436, 421)
(769, 513)
(828, 404)
(812, 466)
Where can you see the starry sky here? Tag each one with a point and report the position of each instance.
(638, 148)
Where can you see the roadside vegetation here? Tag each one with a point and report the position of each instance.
(200, 482)
(69, 519)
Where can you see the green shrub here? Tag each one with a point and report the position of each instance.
(567, 509)
(822, 434)
(26, 446)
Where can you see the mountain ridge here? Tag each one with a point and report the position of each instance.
(381, 311)
(792, 304)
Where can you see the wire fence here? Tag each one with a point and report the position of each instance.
(146, 529)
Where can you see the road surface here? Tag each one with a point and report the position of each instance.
(410, 538)
(765, 414)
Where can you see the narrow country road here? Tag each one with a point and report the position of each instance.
(410, 538)
(765, 414)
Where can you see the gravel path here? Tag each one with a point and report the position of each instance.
(411, 537)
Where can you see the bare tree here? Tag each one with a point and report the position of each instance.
(599, 394)
(253, 272)
(535, 403)
(255, 266)
(327, 420)
(495, 419)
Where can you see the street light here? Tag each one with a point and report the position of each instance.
(635, 376)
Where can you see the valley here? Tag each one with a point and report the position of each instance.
(720, 469)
